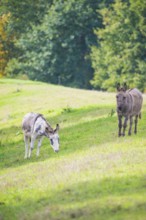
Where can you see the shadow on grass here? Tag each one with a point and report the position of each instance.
(110, 198)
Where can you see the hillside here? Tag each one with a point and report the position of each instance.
(96, 175)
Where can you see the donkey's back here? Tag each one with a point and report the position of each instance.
(136, 101)
(28, 121)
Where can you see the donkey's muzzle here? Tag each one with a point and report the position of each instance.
(119, 108)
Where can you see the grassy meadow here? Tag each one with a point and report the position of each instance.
(96, 175)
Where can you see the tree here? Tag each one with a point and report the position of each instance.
(57, 49)
(24, 14)
(4, 40)
(120, 56)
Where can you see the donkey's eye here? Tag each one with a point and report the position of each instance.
(124, 97)
(51, 141)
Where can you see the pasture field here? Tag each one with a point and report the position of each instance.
(96, 175)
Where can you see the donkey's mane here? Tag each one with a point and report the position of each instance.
(129, 90)
(40, 115)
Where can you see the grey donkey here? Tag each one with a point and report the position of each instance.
(34, 127)
(129, 104)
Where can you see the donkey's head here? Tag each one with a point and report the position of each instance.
(121, 98)
(52, 134)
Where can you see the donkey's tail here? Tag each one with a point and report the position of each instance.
(139, 115)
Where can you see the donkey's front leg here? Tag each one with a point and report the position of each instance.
(39, 145)
(31, 146)
(136, 120)
(120, 124)
(125, 125)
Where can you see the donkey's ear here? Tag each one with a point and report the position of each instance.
(118, 86)
(57, 128)
(125, 87)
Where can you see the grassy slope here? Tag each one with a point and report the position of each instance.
(96, 175)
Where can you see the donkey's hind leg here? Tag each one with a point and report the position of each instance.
(26, 140)
(130, 127)
(136, 121)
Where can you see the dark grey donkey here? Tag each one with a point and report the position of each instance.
(129, 104)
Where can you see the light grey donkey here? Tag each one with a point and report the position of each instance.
(35, 126)
(129, 104)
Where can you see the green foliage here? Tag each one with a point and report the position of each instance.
(86, 44)
(21, 18)
(120, 56)
(24, 15)
(57, 50)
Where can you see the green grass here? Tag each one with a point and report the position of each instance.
(96, 175)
